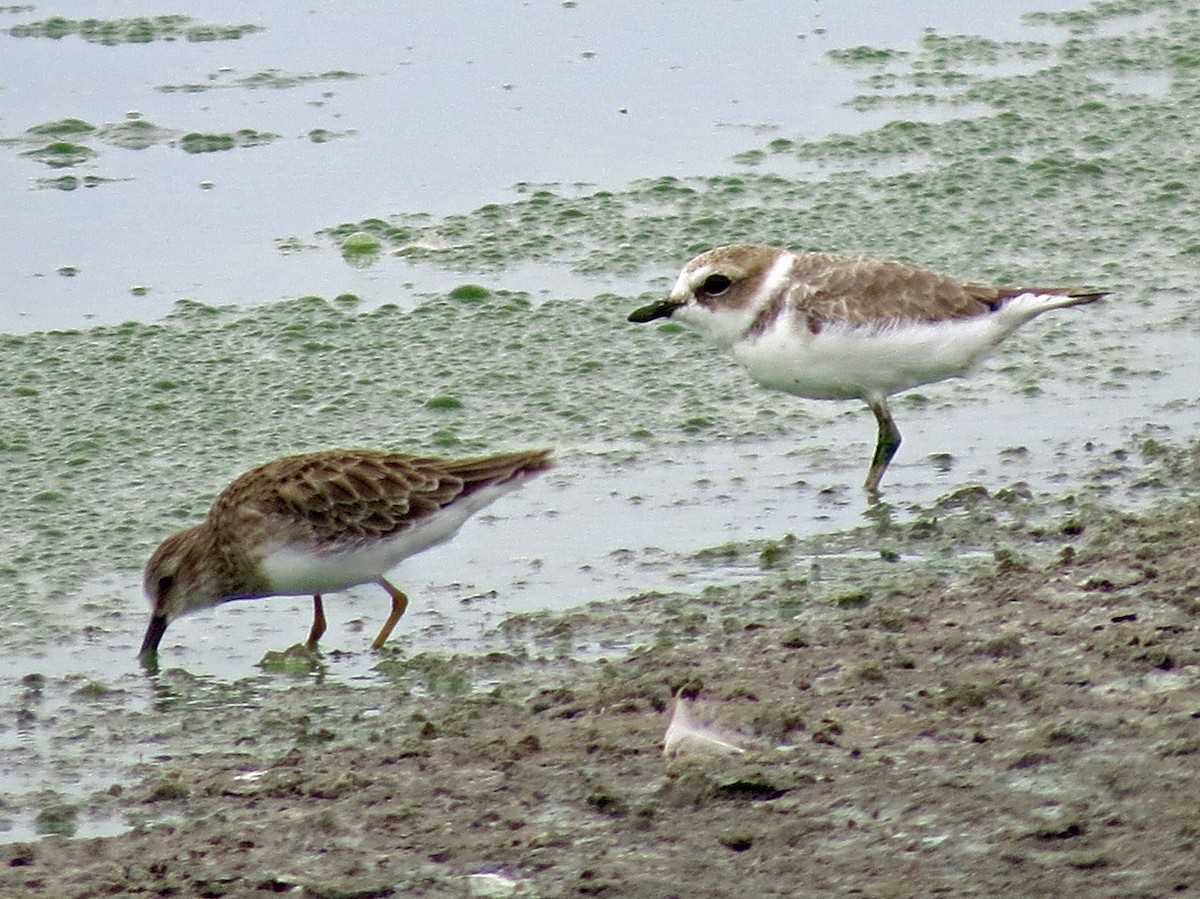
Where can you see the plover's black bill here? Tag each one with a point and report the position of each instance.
(661, 309)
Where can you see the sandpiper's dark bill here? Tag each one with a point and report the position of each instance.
(322, 522)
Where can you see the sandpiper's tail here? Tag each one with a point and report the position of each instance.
(504, 468)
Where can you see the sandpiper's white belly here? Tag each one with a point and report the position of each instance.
(301, 569)
(841, 362)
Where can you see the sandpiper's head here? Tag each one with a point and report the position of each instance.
(719, 293)
(180, 578)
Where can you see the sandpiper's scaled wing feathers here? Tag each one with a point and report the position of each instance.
(323, 522)
(340, 498)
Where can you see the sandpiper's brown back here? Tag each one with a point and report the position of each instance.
(346, 496)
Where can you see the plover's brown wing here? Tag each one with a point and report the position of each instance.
(342, 497)
(862, 291)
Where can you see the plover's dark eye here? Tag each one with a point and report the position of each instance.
(165, 583)
(715, 285)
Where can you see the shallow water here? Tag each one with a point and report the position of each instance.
(440, 119)
(606, 156)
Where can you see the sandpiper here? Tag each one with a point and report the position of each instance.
(321, 522)
(831, 327)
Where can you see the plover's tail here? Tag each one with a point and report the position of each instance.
(1081, 296)
(1018, 305)
(1052, 297)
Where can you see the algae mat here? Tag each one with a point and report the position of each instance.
(1055, 157)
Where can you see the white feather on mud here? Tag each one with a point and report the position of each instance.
(688, 735)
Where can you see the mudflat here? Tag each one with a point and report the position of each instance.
(1019, 721)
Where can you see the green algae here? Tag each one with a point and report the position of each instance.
(432, 673)
(61, 129)
(1062, 177)
(120, 435)
(1052, 171)
(324, 136)
(1103, 12)
(60, 818)
(114, 437)
(70, 142)
(863, 55)
(470, 293)
(61, 154)
(361, 250)
(274, 79)
(134, 133)
(295, 661)
(70, 182)
(196, 142)
(142, 30)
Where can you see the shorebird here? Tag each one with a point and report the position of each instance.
(321, 522)
(832, 327)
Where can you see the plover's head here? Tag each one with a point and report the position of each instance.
(180, 577)
(721, 292)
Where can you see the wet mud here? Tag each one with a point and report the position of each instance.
(916, 718)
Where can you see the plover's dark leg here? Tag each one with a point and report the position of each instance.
(885, 448)
(318, 625)
(399, 604)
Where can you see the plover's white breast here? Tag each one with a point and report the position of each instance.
(842, 361)
(832, 327)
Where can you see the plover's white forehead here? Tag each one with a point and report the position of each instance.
(699, 270)
(683, 283)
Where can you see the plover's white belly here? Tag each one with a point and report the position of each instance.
(847, 363)
(300, 569)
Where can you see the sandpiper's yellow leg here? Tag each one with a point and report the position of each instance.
(399, 604)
